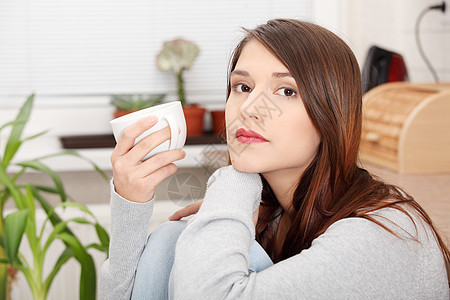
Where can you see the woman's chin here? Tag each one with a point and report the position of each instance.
(245, 166)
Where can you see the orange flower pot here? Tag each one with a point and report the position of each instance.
(194, 119)
(218, 119)
(118, 113)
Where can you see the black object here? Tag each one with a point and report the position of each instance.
(382, 66)
(442, 8)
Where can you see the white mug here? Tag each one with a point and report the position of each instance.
(169, 114)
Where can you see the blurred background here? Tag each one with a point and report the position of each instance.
(75, 54)
(86, 48)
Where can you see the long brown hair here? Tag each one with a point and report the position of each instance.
(333, 187)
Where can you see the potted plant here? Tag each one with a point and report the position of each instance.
(177, 56)
(125, 104)
(21, 222)
(218, 120)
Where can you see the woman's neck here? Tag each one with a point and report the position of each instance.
(283, 183)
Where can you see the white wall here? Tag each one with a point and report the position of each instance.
(390, 24)
(386, 23)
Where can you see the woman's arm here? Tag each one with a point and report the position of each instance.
(132, 192)
(129, 222)
(354, 258)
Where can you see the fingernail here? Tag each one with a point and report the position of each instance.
(170, 218)
(183, 152)
(152, 119)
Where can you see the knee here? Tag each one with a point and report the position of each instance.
(168, 232)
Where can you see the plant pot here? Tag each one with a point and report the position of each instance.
(119, 113)
(194, 119)
(218, 120)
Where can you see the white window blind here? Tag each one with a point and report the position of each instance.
(102, 47)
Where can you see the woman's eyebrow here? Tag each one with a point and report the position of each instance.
(274, 74)
(281, 74)
(240, 72)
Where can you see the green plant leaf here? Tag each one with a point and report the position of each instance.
(13, 189)
(30, 202)
(54, 218)
(14, 142)
(18, 174)
(11, 123)
(72, 153)
(88, 275)
(10, 151)
(51, 214)
(103, 236)
(35, 135)
(98, 247)
(63, 258)
(80, 206)
(59, 228)
(14, 226)
(30, 229)
(133, 102)
(47, 189)
(94, 165)
(4, 196)
(20, 222)
(3, 280)
(37, 165)
(84, 261)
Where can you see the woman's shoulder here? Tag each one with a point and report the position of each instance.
(376, 257)
(388, 232)
(388, 222)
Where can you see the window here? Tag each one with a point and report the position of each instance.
(101, 47)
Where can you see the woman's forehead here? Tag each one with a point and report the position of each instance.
(255, 55)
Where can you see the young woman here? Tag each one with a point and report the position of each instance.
(294, 201)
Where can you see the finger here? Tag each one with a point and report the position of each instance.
(129, 135)
(154, 179)
(160, 160)
(147, 144)
(186, 211)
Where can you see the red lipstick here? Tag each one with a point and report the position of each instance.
(249, 136)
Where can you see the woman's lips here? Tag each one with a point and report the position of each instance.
(249, 136)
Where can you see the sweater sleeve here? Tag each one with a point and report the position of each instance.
(129, 221)
(354, 258)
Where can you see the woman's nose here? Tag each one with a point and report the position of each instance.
(260, 105)
(251, 108)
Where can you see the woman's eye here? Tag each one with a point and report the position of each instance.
(242, 88)
(286, 92)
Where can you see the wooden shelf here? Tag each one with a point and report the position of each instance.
(107, 141)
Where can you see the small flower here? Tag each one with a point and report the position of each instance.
(177, 55)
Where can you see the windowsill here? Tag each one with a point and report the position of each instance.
(47, 145)
(78, 120)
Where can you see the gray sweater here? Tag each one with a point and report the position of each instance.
(354, 258)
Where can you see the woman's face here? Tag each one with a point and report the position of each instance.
(264, 99)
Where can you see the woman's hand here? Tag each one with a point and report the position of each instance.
(133, 179)
(186, 211)
(233, 190)
(193, 208)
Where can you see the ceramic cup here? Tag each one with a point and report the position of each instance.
(169, 114)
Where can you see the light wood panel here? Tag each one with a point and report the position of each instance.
(406, 127)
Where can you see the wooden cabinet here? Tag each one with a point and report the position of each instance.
(406, 127)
